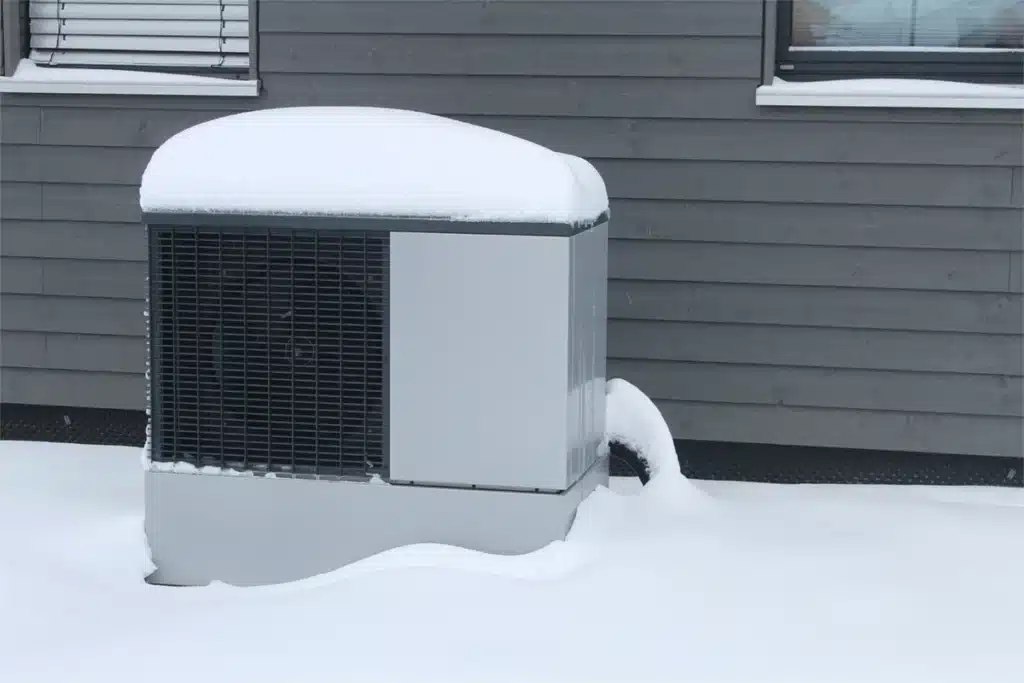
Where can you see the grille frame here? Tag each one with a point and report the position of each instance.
(375, 461)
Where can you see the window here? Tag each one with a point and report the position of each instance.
(178, 36)
(969, 41)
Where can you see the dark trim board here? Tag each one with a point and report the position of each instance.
(706, 460)
(237, 222)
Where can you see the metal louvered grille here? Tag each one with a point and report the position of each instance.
(269, 350)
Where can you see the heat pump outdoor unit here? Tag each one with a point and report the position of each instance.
(368, 328)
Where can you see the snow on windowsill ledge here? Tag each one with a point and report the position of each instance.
(892, 92)
(30, 78)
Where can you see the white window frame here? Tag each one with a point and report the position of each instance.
(875, 92)
(24, 76)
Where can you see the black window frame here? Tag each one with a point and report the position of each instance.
(968, 67)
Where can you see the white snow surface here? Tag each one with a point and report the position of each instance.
(30, 71)
(749, 584)
(367, 161)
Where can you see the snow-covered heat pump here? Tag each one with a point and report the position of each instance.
(368, 328)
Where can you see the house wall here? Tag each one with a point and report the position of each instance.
(821, 277)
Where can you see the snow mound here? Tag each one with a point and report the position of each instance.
(633, 420)
(367, 161)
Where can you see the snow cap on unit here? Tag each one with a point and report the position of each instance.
(366, 161)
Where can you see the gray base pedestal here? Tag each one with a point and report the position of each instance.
(251, 530)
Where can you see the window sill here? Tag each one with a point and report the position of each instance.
(31, 79)
(890, 93)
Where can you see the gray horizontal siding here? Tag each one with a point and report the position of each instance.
(521, 55)
(803, 387)
(874, 184)
(966, 228)
(74, 277)
(512, 18)
(611, 138)
(946, 270)
(73, 315)
(864, 349)
(73, 240)
(831, 277)
(844, 307)
(841, 428)
(119, 391)
(80, 352)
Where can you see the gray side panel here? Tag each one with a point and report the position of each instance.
(478, 360)
(588, 269)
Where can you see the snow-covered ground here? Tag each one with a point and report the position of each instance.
(731, 582)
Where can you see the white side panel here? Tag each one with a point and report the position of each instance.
(478, 360)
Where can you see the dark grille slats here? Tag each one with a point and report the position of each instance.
(269, 349)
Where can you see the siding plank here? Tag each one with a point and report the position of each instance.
(90, 165)
(129, 127)
(70, 240)
(921, 392)
(18, 349)
(19, 125)
(73, 315)
(634, 179)
(816, 347)
(818, 224)
(816, 307)
(997, 436)
(21, 276)
(20, 200)
(500, 55)
(632, 18)
(809, 183)
(98, 279)
(774, 141)
(97, 203)
(96, 353)
(621, 138)
(520, 95)
(64, 388)
(932, 269)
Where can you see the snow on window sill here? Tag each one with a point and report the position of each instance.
(32, 79)
(881, 92)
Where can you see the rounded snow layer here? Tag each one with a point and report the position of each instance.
(365, 161)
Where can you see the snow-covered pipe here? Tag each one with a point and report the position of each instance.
(635, 428)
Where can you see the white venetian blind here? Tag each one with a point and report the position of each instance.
(157, 34)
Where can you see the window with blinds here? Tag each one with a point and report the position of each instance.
(183, 35)
(973, 41)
